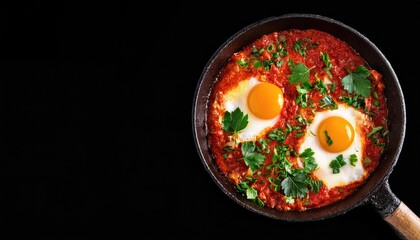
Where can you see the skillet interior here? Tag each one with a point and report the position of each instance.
(365, 48)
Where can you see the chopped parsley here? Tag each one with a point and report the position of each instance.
(375, 134)
(332, 88)
(329, 140)
(255, 52)
(242, 63)
(257, 64)
(319, 85)
(297, 182)
(309, 162)
(257, 60)
(328, 103)
(278, 134)
(227, 149)
(301, 46)
(267, 64)
(337, 163)
(263, 145)
(374, 130)
(252, 158)
(300, 74)
(353, 159)
(282, 43)
(280, 163)
(356, 101)
(302, 98)
(328, 64)
(250, 193)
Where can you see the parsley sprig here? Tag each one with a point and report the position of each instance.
(300, 76)
(300, 73)
(252, 158)
(250, 193)
(298, 183)
(357, 81)
(235, 121)
(301, 45)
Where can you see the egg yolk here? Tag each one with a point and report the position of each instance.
(265, 100)
(335, 134)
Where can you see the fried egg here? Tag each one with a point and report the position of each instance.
(261, 101)
(333, 133)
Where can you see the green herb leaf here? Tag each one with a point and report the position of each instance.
(353, 159)
(327, 63)
(329, 140)
(263, 145)
(300, 73)
(255, 52)
(280, 161)
(267, 64)
(257, 64)
(300, 47)
(374, 130)
(289, 199)
(333, 86)
(357, 81)
(355, 101)
(242, 63)
(309, 162)
(337, 163)
(234, 121)
(295, 186)
(319, 84)
(301, 98)
(315, 185)
(251, 158)
(278, 135)
(251, 193)
(308, 152)
(328, 102)
(242, 186)
(279, 63)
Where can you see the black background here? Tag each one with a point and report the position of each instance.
(96, 119)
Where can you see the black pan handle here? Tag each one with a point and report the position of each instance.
(405, 222)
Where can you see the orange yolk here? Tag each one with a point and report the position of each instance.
(265, 100)
(335, 134)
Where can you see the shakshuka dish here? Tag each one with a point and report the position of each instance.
(297, 120)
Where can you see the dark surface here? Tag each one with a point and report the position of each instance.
(96, 119)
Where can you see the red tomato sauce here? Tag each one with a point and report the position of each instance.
(294, 46)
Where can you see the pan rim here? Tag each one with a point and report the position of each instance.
(273, 213)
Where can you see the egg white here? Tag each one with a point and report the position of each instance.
(237, 97)
(348, 173)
